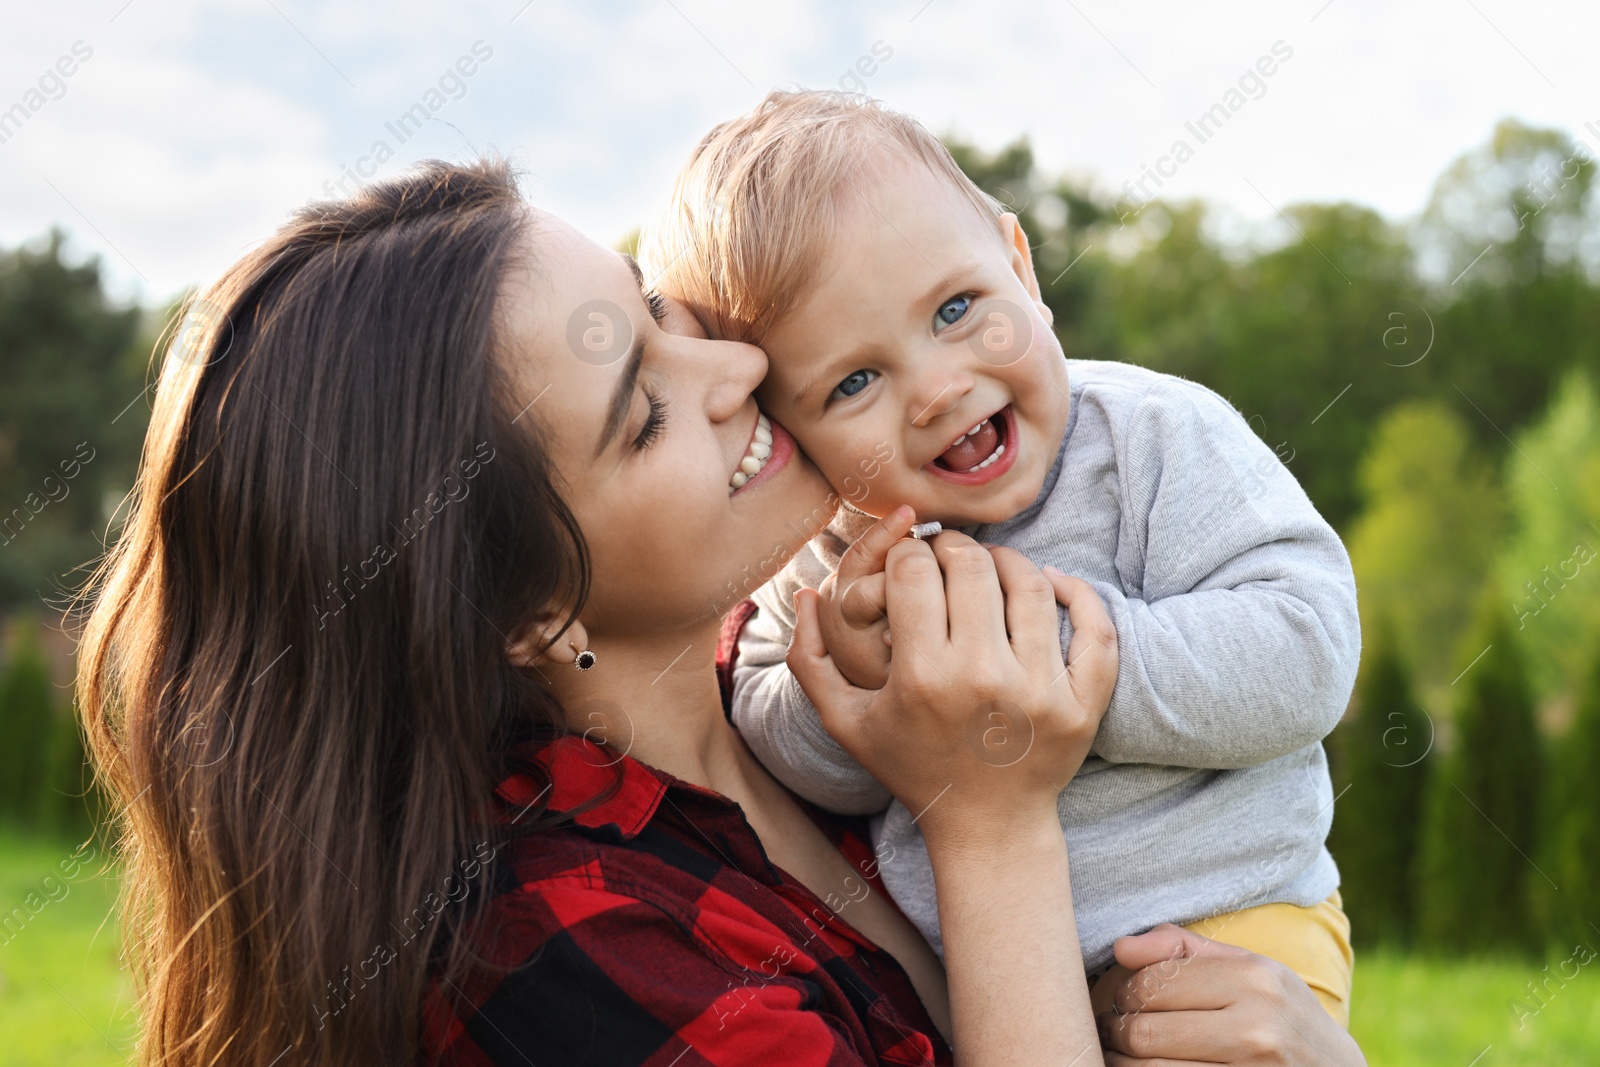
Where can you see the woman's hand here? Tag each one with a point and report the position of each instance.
(1182, 998)
(980, 720)
(978, 729)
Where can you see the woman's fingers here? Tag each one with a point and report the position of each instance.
(1177, 1037)
(1200, 983)
(1092, 656)
(808, 660)
(1165, 943)
(1194, 999)
(863, 601)
(977, 607)
(1030, 607)
(918, 615)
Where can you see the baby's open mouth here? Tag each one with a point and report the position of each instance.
(978, 448)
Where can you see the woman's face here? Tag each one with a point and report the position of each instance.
(648, 423)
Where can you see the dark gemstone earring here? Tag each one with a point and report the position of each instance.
(586, 657)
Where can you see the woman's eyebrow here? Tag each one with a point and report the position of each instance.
(638, 272)
(621, 397)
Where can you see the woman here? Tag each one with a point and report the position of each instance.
(390, 499)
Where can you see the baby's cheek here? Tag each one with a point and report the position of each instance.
(879, 489)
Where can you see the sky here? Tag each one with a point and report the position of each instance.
(186, 131)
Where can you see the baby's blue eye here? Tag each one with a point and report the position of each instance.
(953, 309)
(854, 382)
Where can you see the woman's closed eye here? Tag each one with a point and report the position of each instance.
(952, 310)
(657, 304)
(655, 421)
(852, 384)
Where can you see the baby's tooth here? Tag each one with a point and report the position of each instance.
(976, 428)
(738, 479)
(760, 450)
(750, 464)
(763, 435)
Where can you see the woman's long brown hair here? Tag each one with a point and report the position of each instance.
(294, 674)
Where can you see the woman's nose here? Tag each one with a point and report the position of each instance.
(733, 370)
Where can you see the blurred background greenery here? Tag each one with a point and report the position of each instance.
(1432, 383)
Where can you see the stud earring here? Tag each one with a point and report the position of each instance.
(586, 657)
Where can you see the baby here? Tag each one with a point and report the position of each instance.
(913, 360)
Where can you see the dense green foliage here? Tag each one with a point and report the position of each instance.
(1383, 761)
(1571, 906)
(1482, 811)
(27, 731)
(1433, 520)
(72, 415)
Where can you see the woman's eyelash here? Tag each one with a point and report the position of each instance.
(657, 305)
(654, 422)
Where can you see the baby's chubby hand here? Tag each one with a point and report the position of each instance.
(853, 607)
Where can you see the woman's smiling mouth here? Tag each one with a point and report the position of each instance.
(767, 453)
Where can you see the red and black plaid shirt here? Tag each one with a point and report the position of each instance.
(652, 929)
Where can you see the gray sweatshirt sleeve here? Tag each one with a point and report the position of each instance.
(1238, 629)
(773, 714)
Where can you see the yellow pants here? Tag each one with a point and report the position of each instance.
(1312, 942)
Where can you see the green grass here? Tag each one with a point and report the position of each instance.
(1409, 1012)
(65, 1002)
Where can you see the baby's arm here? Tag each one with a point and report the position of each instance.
(1242, 642)
(771, 711)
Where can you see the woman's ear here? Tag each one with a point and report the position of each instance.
(1016, 242)
(538, 644)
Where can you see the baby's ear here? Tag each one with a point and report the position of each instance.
(1015, 239)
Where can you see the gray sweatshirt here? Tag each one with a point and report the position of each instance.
(1206, 789)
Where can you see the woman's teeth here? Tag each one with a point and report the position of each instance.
(755, 457)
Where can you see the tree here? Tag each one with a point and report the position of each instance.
(1574, 852)
(1481, 817)
(1506, 240)
(72, 415)
(1431, 526)
(70, 804)
(1523, 194)
(27, 723)
(1550, 568)
(1383, 752)
(1294, 334)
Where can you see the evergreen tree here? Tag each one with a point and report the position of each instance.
(1549, 567)
(27, 721)
(1574, 852)
(1432, 522)
(1482, 809)
(72, 414)
(1383, 758)
(70, 803)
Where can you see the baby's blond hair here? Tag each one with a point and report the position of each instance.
(751, 214)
